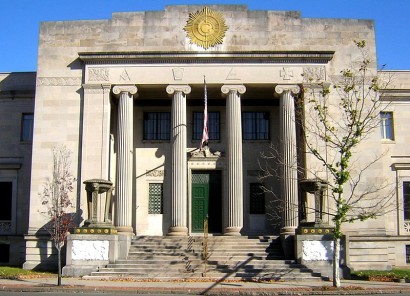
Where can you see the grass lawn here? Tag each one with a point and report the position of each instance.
(382, 275)
(7, 272)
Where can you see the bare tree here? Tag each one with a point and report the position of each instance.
(336, 117)
(58, 202)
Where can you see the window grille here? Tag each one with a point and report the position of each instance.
(155, 203)
(407, 253)
(257, 199)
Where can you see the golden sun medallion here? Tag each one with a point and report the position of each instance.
(206, 28)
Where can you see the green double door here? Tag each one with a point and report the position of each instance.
(206, 201)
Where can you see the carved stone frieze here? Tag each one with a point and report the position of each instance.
(155, 173)
(314, 74)
(58, 81)
(98, 74)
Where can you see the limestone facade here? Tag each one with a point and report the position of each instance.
(98, 82)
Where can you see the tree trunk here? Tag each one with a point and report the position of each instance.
(336, 261)
(59, 266)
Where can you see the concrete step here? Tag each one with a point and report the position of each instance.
(181, 257)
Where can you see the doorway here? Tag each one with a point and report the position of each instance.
(206, 201)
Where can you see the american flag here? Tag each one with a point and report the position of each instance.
(205, 137)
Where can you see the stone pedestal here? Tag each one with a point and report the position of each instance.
(86, 253)
(315, 249)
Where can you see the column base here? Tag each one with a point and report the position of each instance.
(288, 230)
(233, 231)
(128, 230)
(177, 231)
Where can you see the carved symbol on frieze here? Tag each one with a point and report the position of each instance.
(286, 73)
(98, 74)
(232, 75)
(124, 76)
(178, 73)
(314, 74)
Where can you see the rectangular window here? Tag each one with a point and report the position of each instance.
(157, 125)
(406, 200)
(213, 125)
(257, 199)
(6, 192)
(255, 125)
(27, 121)
(407, 253)
(387, 125)
(4, 253)
(155, 201)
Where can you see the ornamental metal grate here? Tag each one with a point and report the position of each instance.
(407, 253)
(155, 202)
(200, 178)
(257, 199)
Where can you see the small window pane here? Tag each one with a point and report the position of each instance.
(6, 196)
(257, 199)
(27, 127)
(155, 202)
(406, 200)
(255, 125)
(157, 125)
(213, 125)
(387, 125)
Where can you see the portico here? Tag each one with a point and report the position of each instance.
(178, 89)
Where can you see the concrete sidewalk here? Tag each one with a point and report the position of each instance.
(78, 285)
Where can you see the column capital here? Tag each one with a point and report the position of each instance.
(292, 88)
(173, 88)
(227, 88)
(130, 88)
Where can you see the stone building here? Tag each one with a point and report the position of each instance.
(126, 96)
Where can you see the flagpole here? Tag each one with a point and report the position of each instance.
(205, 136)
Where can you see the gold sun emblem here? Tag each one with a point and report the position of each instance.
(206, 28)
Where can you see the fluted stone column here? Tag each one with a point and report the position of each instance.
(179, 160)
(125, 143)
(289, 187)
(234, 182)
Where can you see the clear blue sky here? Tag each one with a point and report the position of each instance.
(20, 19)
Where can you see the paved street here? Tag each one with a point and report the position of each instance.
(47, 286)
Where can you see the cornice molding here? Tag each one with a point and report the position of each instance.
(268, 57)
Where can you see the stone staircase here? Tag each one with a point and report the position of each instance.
(167, 258)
